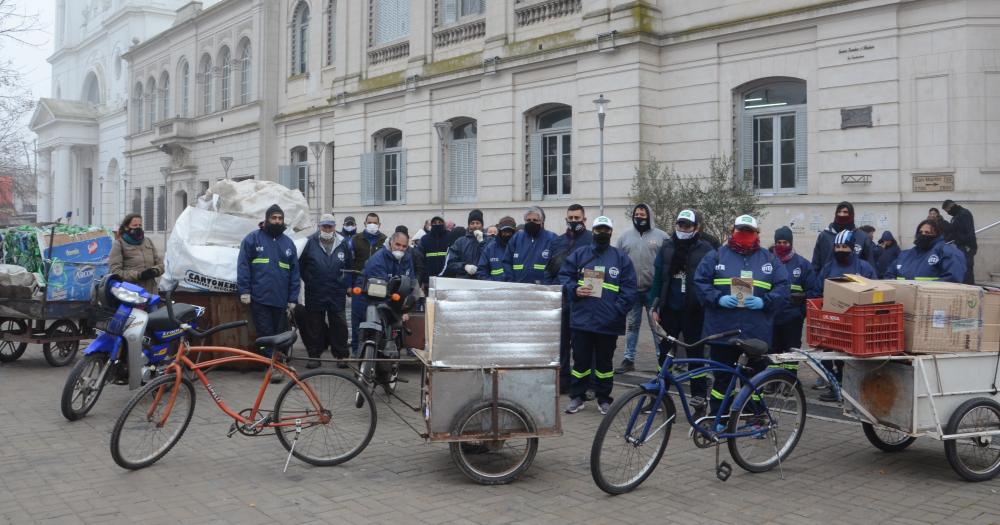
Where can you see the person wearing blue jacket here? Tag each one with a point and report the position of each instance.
(490, 267)
(462, 261)
(845, 259)
(528, 252)
(326, 253)
(267, 275)
(741, 257)
(931, 259)
(597, 321)
(803, 285)
(562, 247)
(843, 220)
(394, 261)
(886, 253)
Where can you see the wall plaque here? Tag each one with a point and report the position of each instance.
(933, 183)
(856, 118)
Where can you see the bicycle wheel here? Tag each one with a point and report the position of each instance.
(83, 386)
(140, 436)
(887, 439)
(493, 462)
(975, 458)
(336, 434)
(618, 461)
(63, 352)
(780, 410)
(9, 350)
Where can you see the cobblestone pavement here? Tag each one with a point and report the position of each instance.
(54, 471)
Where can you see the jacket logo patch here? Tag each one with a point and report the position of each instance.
(933, 259)
(767, 269)
(340, 255)
(517, 255)
(260, 249)
(613, 272)
(720, 267)
(288, 252)
(857, 249)
(545, 254)
(797, 272)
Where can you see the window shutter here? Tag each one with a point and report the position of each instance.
(535, 166)
(801, 151)
(746, 150)
(449, 11)
(462, 164)
(161, 209)
(379, 178)
(402, 176)
(286, 177)
(367, 179)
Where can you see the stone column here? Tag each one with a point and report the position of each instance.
(43, 199)
(61, 181)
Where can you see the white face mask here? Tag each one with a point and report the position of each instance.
(684, 235)
(350, 229)
(398, 254)
(371, 228)
(327, 236)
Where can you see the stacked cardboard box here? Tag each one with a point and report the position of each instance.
(991, 320)
(942, 317)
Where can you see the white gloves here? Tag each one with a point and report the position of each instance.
(291, 308)
(245, 298)
(471, 269)
(479, 235)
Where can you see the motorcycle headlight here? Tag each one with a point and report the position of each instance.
(127, 296)
(377, 288)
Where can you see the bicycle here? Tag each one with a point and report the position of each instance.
(641, 420)
(314, 417)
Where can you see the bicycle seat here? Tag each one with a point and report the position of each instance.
(159, 320)
(752, 347)
(277, 342)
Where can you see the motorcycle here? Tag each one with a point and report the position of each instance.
(381, 332)
(134, 346)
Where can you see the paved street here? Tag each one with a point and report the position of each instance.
(54, 471)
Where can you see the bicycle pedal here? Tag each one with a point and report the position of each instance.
(723, 471)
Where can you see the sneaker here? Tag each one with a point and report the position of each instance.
(830, 396)
(626, 365)
(603, 407)
(698, 405)
(820, 383)
(277, 378)
(313, 363)
(575, 405)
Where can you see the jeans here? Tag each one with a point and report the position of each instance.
(634, 323)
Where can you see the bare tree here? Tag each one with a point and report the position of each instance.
(16, 103)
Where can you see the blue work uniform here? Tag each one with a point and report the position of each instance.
(942, 262)
(527, 257)
(856, 266)
(491, 262)
(465, 250)
(268, 269)
(803, 284)
(326, 295)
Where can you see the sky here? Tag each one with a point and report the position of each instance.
(30, 57)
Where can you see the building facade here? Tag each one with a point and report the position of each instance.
(411, 108)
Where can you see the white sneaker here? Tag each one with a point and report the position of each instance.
(603, 407)
(575, 405)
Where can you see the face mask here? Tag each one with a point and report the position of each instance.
(398, 254)
(327, 236)
(951, 211)
(437, 229)
(274, 230)
(532, 228)
(842, 257)
(924, 242)
(136, 233)
(782, 250)
(685, 235)
(371, 228)
(744, 242)
(505, 238)
(575, 226)
(350, 228)
(640, 224)
(602, 240)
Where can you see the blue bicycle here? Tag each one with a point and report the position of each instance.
(760, 422)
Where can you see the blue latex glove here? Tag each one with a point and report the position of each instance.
(754, 303)
(728, 301)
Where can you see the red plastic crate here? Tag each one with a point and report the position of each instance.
(870, 330)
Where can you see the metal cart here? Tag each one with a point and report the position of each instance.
(952, 397)
(58, 326)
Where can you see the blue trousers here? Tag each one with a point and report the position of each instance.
(268, 320)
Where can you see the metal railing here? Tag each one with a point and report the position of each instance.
(988, 226)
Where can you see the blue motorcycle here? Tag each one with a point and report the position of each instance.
(133, 347)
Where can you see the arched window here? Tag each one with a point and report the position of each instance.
(137, 109)
(151, 97)
(245, 72)
(165, 103)
(331, 27)
(92, 89)
(462, 160)
(206, 85)
(185, 72)
(300, 38)
(772, 135)
(226, 80)
(383, 172)
(550, 151)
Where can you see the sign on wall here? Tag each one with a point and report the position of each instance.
(926, 183)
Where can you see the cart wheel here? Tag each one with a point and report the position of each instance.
(490, 462)
(887, 439)
(9, 350)
(975, 458)
(63, 352)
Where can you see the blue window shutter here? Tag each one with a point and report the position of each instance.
(746, 149)
(367, 179)
(402, 176)
(286, 177)
(801, 151)
(449, 11)
(535, 165)
(462, 167)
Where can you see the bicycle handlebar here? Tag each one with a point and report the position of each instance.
(197, 334)
(713, 337)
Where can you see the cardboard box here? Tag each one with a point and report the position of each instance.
(841, 293)
(991, 321)
(741, 289)
(940, 318)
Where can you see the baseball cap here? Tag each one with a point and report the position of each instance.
(746, 221)
(687, 215)
(507, 223)
(602, 221)
(327, 220)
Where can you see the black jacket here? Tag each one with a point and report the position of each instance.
(325, 285)
(463, 251)
(564, 245)
(661, 274)
(864, 248)
(962, 230)
(435, 250)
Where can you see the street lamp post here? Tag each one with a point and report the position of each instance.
(226, 163)
(317, 150)
(602, 106)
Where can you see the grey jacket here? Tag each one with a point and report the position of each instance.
(642, 249)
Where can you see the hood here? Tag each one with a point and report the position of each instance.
(649, 211)
(887, 236)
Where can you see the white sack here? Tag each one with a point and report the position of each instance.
(251, 198)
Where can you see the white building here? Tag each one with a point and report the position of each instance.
(407, 107)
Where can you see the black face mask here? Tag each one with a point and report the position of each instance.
(924, 242)
(505, 238)
(533, 228)
(842, 257)
(437, 229)
(640, 224)
(136, 233)
(274, 230)
(602, 240)
(575, 226)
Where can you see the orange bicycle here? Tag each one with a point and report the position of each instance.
(316, 416)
